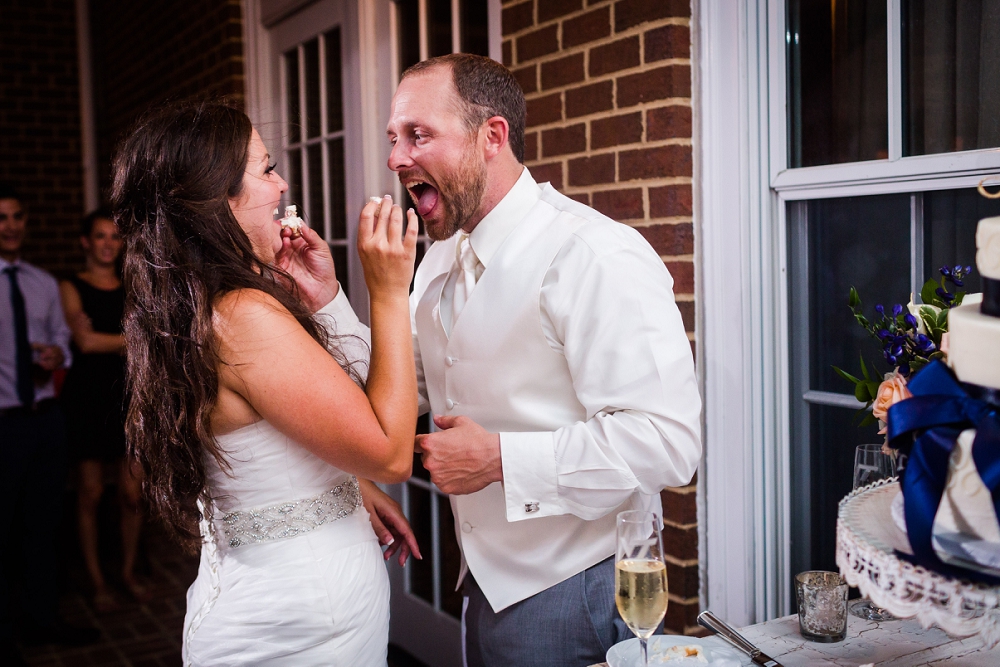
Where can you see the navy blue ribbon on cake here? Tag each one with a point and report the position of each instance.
(940, 409)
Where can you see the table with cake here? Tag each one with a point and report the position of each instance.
(926, 546)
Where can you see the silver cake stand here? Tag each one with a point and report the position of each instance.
(867, 538)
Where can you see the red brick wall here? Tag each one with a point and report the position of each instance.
(608, 86)
(40, 124)
(147, 52)
(143, 53)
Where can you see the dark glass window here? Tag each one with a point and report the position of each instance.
(861, 242)
(837, 81)
(408, 27)
(334, 89)
(475, 36)
(439, 27)
(950, 219)
(311, 59)
(293, 108)
(834, 244)
(338, 200)
(951, 75)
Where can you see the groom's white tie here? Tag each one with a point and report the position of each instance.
(469, 269)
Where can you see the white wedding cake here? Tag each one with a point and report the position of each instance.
(973, 332)
(966, 528)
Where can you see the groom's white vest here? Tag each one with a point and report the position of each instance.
(498, 369)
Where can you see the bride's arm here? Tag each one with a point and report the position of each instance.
(284, 376)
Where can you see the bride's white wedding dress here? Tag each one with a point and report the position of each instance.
(284, 582)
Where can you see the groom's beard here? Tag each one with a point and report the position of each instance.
(460, 192)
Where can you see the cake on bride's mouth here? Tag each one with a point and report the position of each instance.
(292, 221)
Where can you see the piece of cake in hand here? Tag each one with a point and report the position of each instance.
(293, 221)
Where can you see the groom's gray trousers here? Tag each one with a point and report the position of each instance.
(572, 624)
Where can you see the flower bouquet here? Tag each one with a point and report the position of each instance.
(910, 339)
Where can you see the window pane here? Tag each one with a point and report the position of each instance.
(439, 27)
(951, 75)
(292, 102)
(451, 560)
(292, 172)
(475, 35)
(837, 81)
(311, 56)
(408, 22)
(334, 94)
(861, 242)
(338, 207)
(950, 219)
(339, 253)
(833, 438)
(421, 572)
(314, 205)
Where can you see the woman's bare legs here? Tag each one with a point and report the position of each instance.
(88, 498)
(130, 499)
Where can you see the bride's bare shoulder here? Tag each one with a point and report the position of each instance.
(249, 313)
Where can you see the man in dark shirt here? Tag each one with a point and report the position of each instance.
(34, 342)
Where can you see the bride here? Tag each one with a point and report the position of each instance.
(259, 432)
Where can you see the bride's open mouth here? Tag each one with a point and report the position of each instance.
(425, 195)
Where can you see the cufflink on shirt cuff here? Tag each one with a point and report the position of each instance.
(531, 507)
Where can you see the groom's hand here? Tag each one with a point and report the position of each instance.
(462, 457)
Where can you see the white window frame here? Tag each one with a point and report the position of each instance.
(740, 205)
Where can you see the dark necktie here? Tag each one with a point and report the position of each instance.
(25, 383)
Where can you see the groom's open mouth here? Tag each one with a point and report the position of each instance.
(424, 195)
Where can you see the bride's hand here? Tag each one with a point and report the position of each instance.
(308, 260)
(391, 527)
(387, 254)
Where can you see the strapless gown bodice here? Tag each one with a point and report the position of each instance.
(271, 469)
(320, 597)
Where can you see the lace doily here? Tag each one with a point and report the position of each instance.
(867, 538)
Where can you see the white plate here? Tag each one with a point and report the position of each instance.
(627, 653)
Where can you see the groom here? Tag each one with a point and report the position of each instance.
(553, 356)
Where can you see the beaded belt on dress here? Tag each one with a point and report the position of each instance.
(275, 522)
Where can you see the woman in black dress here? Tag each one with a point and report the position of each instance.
(93, 398)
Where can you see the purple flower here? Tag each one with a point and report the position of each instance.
(911, 320)
(880, 309)
(897, 310)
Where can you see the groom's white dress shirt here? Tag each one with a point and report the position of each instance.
(571, 347)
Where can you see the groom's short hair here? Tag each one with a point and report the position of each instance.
(486, 89)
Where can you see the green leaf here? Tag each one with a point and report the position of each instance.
(867, 421)
(864, 369)
(958, 299)
(854, 301)
(927, 294)
(861, 392)
(873, 389)
(847, 376)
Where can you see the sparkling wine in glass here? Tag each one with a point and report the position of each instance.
(640, 574)
(870, 465)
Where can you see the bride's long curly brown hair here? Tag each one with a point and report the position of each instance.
(174, 175)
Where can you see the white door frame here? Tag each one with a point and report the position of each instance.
(367, 64)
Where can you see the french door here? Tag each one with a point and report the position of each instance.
(320, 79)
(316, 81)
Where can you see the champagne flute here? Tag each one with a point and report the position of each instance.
(640, 574)
(870, 465)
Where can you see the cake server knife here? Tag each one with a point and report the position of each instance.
(707, 619)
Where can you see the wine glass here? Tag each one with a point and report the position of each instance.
(870, 465)
(640, 574)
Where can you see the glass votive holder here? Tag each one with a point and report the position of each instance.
(822, 598)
